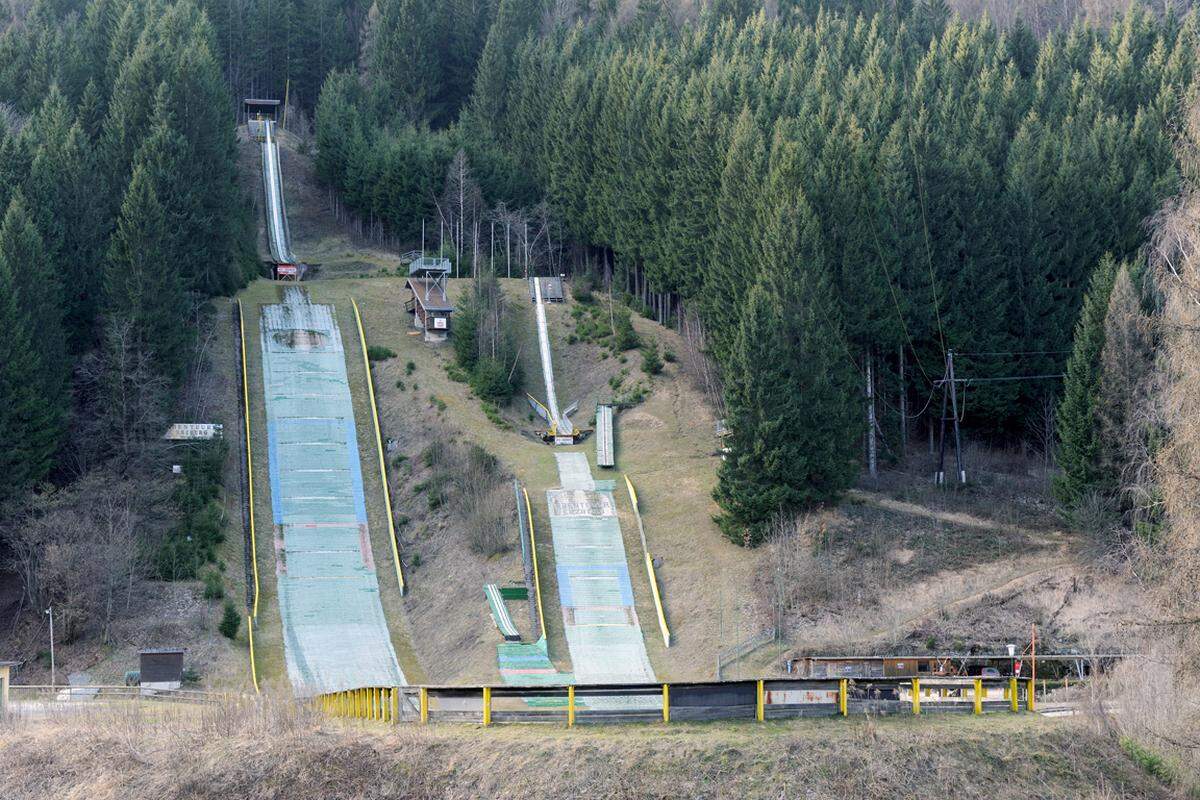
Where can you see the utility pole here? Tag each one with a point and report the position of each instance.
(949, 397)
(53, 675)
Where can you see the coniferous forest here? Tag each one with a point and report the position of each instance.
(834, 194)
(122, 218)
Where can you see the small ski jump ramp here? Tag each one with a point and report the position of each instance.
(601, 622)
(335, 634)
(279, 237)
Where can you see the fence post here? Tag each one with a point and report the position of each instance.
(424, 700)
(843, 696)
(487, 705)
(758, 704)
(979, 695)
(916, 695)
(1030, 694)
(666, 703)
(570, 706)
(1013, 700)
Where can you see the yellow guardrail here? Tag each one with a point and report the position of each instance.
(249, 457)
(250, 496)
(658, 603)
(537, 581)
(387, 492)
(253, 664)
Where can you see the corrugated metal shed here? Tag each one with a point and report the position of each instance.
(604, 436)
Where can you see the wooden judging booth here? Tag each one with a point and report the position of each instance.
(428, 303)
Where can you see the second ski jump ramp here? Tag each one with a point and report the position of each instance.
(601, 622)
(334, 631)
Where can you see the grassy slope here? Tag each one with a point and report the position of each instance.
(282, 754)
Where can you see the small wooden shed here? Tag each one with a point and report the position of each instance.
(428, 303)
(161, 667)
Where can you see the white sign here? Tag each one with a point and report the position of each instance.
(439, 323)
(182, 431)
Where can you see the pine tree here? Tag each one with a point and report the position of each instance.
(39, 296)
(1125, 364)
(142, 286)
(791, 412)
(1080, 447)
(29, 426)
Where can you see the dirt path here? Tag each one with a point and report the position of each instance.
(1054, 538)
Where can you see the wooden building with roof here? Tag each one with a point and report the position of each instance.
(428, 303)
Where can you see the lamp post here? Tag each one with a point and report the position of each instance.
(50, 612)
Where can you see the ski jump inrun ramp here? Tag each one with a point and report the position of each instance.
(279, 237)
(335, 634)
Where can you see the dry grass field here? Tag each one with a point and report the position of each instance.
(270, 749)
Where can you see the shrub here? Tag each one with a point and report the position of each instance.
(410, 368)
(489, 380)
(624, 337)
(231, 620)
(214, 587)
(651, 363)
(581, 289)
(379, 353)
(669, 356)
(400, 385)
(456, 373)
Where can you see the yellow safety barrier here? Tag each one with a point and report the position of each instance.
(978, 696)
(249, 461)
(916, 695)
(1013, 698)
(570, 706)
(658, 603)
(843, 696)
(759, 709)
(253, 666)
(424, 700)
(387, 492)
(666, 703)
(487, 705)
(537, 581)
(1030, 694)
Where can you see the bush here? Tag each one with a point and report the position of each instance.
(669, 356)
(489, 380)
(457, 374)
(625, 337)
(214, 586)
(651, 363)
(410, 368)
(581, 289)
(379, 353)
(231, 620)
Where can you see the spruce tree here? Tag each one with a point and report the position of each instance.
(790, 407)
(39, 296)
(142, 286)
(29, 426)
(1080, 447)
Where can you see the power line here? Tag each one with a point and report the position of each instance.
(1005, 378)
(1013, 353)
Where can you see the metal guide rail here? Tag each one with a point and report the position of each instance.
(750, 700)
